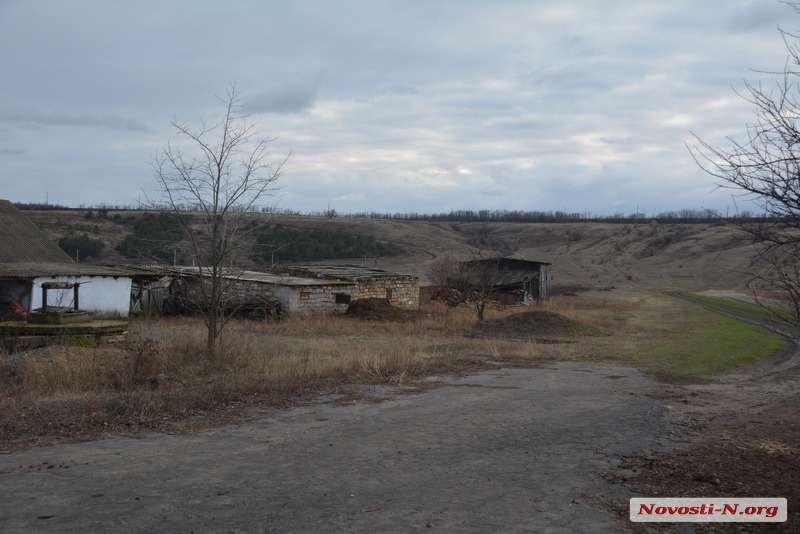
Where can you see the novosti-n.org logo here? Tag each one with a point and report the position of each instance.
(708, 510)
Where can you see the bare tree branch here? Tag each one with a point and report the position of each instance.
(225, 176)
(764, 168)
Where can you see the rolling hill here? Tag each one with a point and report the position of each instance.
(635, 254)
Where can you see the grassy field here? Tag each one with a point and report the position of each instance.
(160, 375)
(679, 338)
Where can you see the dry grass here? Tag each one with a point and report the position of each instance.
(597, 254)
(163, 374)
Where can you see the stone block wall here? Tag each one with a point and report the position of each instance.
(246, 291)
(294, 299)
(318, 299)
(402, 291)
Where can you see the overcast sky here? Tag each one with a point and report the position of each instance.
(389, 106)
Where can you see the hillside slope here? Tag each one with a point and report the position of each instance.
(587, 254)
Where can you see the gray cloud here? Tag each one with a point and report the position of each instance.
(286, 98)
(58, 118)
(757, 14)
(11, 151)
(424, 106)
(560, 77)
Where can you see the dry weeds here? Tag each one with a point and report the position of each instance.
(162, 374)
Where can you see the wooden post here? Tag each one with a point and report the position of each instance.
(59, 285)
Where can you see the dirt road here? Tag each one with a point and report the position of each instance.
(512, 450)
(742, 432)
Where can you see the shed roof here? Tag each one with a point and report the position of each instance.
(509, 271)
(279, 279)
(510, 262)
(244, 275)
(28, 270)
(22, 241)
(349, 272)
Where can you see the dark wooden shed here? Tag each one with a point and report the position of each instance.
(514, 280)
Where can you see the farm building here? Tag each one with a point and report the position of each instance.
(513, 280)
(297, 295)
(401, 290)
(300, 291)
(102, 291)
(45, 297)
(35, 273)
(169, 290)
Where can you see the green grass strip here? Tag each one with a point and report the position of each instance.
(696, 341)
(729, 302)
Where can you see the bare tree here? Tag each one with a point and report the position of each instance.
(482, 276)
(445, 271)
(765, 168)
(474, 282)
(213, 189)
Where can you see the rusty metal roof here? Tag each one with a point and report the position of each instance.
(22, 241)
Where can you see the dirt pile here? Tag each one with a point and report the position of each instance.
(375, 309)
(535, 324)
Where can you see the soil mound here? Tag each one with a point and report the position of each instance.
(375, 309)
(536, 324)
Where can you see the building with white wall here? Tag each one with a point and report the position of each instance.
(30, 262)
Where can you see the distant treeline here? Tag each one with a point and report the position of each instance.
(681, 216)
(155, 237)
(40, 206)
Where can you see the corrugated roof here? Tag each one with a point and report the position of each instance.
(510, 263)
(30, 270)
(269, 278)
(22, 241)
(349, 272)
(247, 276)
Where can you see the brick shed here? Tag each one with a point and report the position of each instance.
(297, 295)
(401, 290)
(288, 294)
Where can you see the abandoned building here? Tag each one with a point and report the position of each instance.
(172, 290)
(28, 287)
(513, 280)
(35, 273)
(305, 290)
(46, 296)
(401, 290)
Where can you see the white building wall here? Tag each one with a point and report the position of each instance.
(104, 295)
